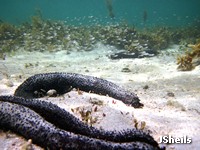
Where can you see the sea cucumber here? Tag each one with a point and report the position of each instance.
(31, 125)
(54, 128)
(66, 121)
(64, 82)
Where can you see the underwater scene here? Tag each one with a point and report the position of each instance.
(99, 74)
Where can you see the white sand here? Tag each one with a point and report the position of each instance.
(163, 114)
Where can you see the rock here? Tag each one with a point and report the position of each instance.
(126, 69)
(136, 54)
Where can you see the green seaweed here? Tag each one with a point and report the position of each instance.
(10, 37)
(8, 31)
(50, 35)
(158, 37)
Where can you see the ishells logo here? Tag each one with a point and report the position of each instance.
(171, 140)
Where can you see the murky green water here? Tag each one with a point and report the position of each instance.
(134, 12)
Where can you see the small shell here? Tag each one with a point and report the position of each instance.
(52, 93)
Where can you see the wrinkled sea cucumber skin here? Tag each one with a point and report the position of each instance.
(31, 125)
(64, 82)
(66, 121)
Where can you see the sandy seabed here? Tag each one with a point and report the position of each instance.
(171, 98)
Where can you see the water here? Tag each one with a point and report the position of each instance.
(149, 47)
(158, 12)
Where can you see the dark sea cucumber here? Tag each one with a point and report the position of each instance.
(64, 82)
(31, 125)
(66, 121)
